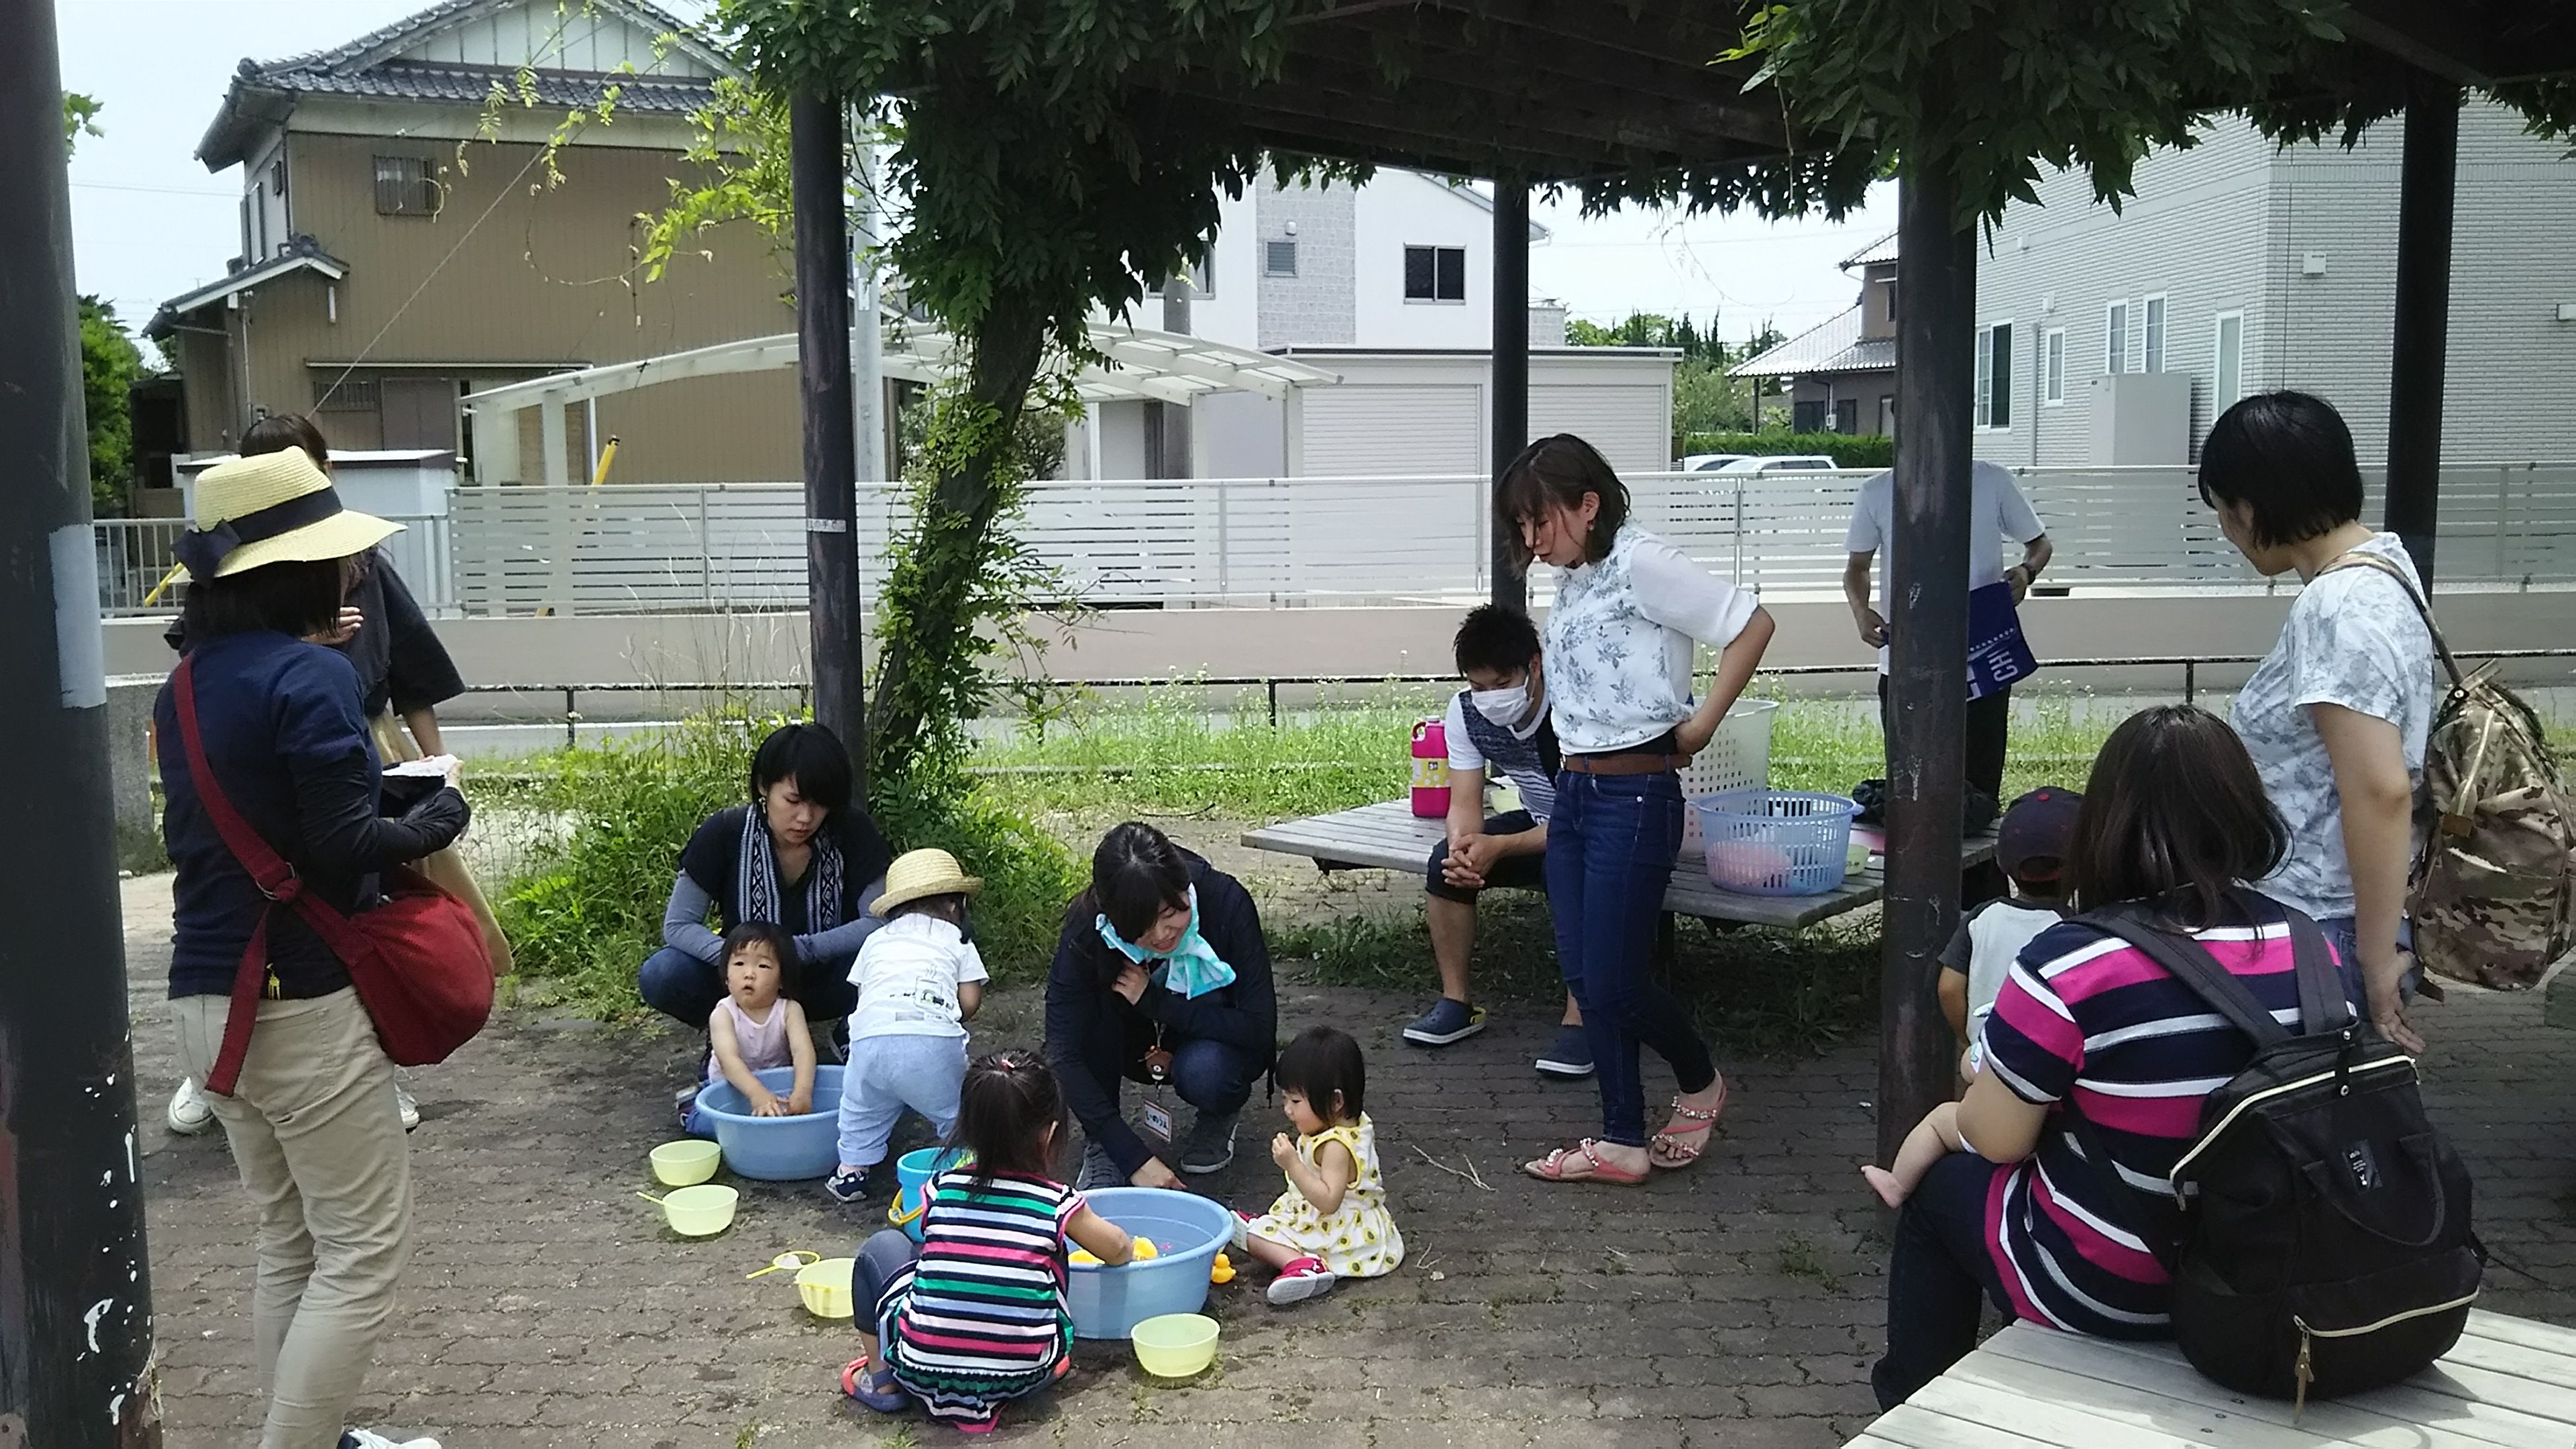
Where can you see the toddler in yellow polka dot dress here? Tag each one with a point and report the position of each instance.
(1332, 1222)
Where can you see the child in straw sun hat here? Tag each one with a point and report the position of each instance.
(919, 978)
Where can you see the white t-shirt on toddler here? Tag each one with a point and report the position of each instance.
(908, 973)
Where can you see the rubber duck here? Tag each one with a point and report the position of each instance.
(1221, 1271)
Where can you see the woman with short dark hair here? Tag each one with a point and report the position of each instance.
(2175, 821)
(1161, 976)
(801, 855)
(311, 1115)
(2338, 716)
(1630, 613)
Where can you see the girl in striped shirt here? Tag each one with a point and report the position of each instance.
(976, 1315)
(2174, 818)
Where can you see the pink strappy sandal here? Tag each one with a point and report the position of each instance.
(1552, 1168)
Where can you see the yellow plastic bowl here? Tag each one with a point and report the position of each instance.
(1175, 1345)
(686, 1164)
(700, 1212)
(825, 1287)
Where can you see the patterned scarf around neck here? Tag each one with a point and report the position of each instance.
(1192, 967)
(756, 878)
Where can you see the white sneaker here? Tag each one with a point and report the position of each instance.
(370, 1439)
(189, 1114)
(409, 1108)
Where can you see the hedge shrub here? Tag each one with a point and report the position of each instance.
(1849, 450)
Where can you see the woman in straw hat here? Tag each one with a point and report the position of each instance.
(920, 979)
(312, 1119)
(404, 674)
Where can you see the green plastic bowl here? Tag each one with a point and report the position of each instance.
(686, 1163)
(1176, 1345)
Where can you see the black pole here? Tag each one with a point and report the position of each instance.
(1927, 641)
(2420, 338)
(1510, 400)
(75, 1281)
(816, 173)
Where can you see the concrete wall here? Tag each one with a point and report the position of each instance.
(745, 648)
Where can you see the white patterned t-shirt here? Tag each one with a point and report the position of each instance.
(1620, 638)
(2353, 639)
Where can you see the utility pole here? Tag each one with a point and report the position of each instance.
(1174, 420)
(1508, 390)
(75, 1280)
(817, 178)
(1927, 560)
(2419, 337)
(867, 326)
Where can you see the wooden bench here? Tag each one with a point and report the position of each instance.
(1389, 836)
(2509, 1381)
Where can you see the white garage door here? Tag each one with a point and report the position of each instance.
(1359, 430)
(1627, 421)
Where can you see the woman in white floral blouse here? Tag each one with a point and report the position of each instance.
(1630, 610)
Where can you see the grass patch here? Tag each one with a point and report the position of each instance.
(1800, 1257)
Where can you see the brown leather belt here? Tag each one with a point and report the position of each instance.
(1625, 764)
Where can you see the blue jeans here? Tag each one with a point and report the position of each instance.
(682, 987)
(2344, 934)
(886, 1253)
(1610, 849)
(885, 1075)
(1937, 1272)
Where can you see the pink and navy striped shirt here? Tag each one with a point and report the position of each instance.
(2085, 1018)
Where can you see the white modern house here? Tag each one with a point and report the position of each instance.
(2116, 337)
(1386, 285)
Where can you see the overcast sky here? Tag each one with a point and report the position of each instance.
(149, 222)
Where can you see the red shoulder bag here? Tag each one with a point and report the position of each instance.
(418, 961)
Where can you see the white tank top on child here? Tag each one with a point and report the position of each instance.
(763, 1043)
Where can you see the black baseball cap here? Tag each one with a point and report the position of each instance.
(2032, 842)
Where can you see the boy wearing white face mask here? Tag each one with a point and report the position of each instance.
(1498, 729)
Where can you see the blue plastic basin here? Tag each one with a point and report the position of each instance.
(777, 1149)
(1187, 1231)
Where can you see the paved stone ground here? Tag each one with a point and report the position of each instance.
(1735, 1304)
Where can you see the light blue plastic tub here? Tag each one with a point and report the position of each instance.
(1187, 1230)
(777, 1149)
(913, 1172)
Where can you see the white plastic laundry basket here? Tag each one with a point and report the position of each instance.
(1738, 757)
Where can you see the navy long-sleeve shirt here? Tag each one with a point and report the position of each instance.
(1088, 1022)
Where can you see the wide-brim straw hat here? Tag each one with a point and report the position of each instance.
(918, 874)
(274, 508)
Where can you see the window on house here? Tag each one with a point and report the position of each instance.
(1847, 415)
(1807, 416)
(1435, 274)
(1202, 280)
(2229, 384)
(1279, 258)
(2053, 370)
(277, 178)
(1994, 377)
(2154, 335)
(405, 187)
(2115, 337)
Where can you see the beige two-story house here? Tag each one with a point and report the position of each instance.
(392, 260)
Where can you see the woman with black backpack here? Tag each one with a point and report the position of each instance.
(2114, 1035)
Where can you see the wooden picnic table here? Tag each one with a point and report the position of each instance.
(1389, 836)
(2509, 1381)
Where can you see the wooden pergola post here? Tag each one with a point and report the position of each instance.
(2419, 340)
(1508, 394)
(831, 439)
(1927, 637)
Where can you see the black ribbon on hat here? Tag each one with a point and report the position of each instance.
(204, 550)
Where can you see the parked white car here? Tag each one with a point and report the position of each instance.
(1788, 463)
(1707, 462)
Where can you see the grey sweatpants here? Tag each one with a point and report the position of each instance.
(885, 1075)
(320, 1147)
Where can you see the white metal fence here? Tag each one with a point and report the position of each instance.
(135, 556)
(1273, 541)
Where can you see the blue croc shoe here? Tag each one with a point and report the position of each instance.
(1446, 1022)
(1569, 1056)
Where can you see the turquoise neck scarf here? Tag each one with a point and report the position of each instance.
(1192, 967)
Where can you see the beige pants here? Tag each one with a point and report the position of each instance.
(445, 868)
(321, 1151)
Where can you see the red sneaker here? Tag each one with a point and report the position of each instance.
(1306, 1278)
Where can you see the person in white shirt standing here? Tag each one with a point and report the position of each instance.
(1996, 511)
(1630, 612)
(920, 980)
